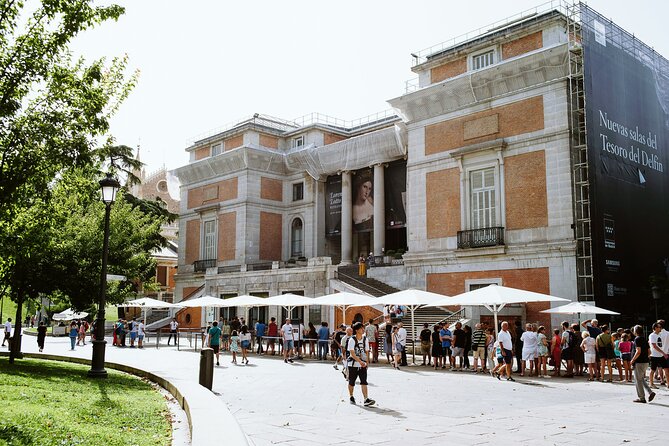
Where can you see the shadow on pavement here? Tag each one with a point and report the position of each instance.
(381, 411)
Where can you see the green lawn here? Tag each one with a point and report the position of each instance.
(54, 403)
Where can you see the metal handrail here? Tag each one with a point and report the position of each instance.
(202, 265)
(457, 315)
(421, 56)
(482, 237)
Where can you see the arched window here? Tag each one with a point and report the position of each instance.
(296, 237)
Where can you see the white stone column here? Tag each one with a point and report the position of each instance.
(346, 219)
(379, 210)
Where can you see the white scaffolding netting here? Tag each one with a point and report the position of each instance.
(524, 72)
(350, 154)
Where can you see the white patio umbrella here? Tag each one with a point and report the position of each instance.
(342, 300)
(578, 308)
(205, 302)
(288, 301)
(495, 298)
(68, 315)
(146, 303)
(244, 301)
(412, 299)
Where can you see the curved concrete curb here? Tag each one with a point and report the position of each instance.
(208, 416)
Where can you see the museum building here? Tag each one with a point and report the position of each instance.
(477, 176)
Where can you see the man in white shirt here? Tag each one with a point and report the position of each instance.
(174, 325)
(288, 341)
(358, 357)
(140, 334)
(506, 347)
(8, 331)
(658, 356)
(530, 349)
(402, 339)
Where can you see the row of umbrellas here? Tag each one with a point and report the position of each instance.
(492, 297)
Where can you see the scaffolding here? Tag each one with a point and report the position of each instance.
(579, 158)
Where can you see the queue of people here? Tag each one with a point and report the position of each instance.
(587, 350)
(133, 329)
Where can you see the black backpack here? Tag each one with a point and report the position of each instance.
(355, 347)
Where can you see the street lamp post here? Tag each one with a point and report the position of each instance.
(110, 187)
(657, 294)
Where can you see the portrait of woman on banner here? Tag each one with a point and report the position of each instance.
(363, 203)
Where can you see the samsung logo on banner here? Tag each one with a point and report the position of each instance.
(600, 32)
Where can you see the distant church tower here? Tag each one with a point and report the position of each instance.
(152, 186)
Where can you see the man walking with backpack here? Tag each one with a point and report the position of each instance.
(358, 354)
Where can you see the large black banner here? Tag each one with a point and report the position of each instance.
(395, 193)
(333, 205)
(627, 102)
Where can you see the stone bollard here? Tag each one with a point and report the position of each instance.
(207, 367)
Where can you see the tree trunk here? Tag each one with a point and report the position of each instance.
(15, 342)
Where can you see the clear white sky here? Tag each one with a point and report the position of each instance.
(205, 63)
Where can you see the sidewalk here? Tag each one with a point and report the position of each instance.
(307, 403)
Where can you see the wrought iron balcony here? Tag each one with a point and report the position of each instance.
(479, 238)
(200, 266)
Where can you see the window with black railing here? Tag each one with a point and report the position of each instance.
(482, 237)
(202, 265)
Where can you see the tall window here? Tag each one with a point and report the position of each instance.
(216, 149)
(209, 248)
(296, 238)
(483, 199)
(482, 60)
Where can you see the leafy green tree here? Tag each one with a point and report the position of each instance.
(53, 112)
(52, 109)
(24, 266)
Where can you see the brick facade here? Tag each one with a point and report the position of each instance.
(523, 45)
(448, 70)
(202, 153)
(271, 189)
(330, 138)
(192, 241)
(212, 193)
(530, 279)
(270, 236)
(513, 119)
(233, 142)
(525, 190)
(227, 236)
(367, 313)
(271, 142)
(442, 209)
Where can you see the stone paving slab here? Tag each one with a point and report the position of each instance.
(307, 403)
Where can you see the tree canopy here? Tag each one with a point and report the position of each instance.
(54, 124)
(53, 110)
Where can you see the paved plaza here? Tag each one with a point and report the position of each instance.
(306, 403)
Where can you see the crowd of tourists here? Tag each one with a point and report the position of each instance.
(573, 350)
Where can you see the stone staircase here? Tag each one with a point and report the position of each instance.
(155, 315)
(349, 274)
